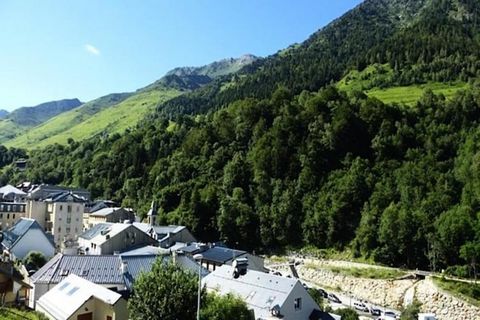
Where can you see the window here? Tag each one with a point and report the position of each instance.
(109, 317)
(8, 215)
(1, 215)
(67, 230)
(13, 216)
(59, 229)
(69, 209)
(71, 292)
(298, 304)
(61, 207)
(66, 284)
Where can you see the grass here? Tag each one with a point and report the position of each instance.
(411, 94)
(8, 130)
(114, 119)
(17, 314)
(365, 273)
(469, 292)
(333, 254)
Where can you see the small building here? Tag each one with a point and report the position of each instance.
(75, 298)
(268, 295)
(166, 236)
(10, 213)
(14, 286)
(9, 193)
(109, 238)
(24, 236)
(215, 255)
(113, 215)
(114, 272)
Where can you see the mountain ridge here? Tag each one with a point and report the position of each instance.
(79, 123)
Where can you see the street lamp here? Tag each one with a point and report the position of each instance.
(199, 257)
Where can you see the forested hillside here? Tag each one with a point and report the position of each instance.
(275, 156)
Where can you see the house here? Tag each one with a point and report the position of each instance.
(44, 191)
(100, 204)
(75, 298)
(114, 215)
(24, 236)
(14, 287)
(11, 194)
(268, 295)
(115, 272)
(60, 214)
(64, 216)
(10, 213)
(108, 238)
(167, 236)
(216, 255)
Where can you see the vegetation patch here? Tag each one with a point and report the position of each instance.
(466, 291)
(366, 273)
(411, 94)
(17, 314)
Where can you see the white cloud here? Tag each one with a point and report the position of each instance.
(92, 50)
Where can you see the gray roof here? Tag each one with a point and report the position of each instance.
(9, 189)
(221, 254)
(96, 230)
(216, 254)
(261, 291)
(13, 235)
(97, 269)
(145, 250)
(106, 269)
(64, 196)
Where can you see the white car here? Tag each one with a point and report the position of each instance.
(360, 306)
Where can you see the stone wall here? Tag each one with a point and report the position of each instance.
(389, 293)
(445, 306)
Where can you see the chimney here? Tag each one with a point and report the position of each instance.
(124, 267)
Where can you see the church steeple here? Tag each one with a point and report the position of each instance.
(152, 214)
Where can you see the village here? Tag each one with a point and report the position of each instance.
(95, 250)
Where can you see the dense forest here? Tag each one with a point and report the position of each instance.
(275, 156)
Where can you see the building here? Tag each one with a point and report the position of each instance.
(166, 236)
(215, 255)
(9, 193)
(113, 215)
(268, 295)
(24, 236)
(64, 216)
(14, 287)
(10, 213)
(115, 272)
(44, 191)
(110, 238)
(75, 298)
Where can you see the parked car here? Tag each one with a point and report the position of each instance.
(375, 311)
(360, 306)
(391, 315)
(333, 298)
(323, 293)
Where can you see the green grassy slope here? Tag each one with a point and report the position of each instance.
(375, 82)
(9, 129)
(109, 120)
(411, 94)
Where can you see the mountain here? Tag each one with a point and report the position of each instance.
(296, 151)
(192, 78)
(3, 113)
(24, 118)
(217, 68)
(117, 112)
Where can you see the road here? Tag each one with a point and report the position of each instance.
(348, 301)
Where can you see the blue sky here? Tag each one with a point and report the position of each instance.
(64, 49)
